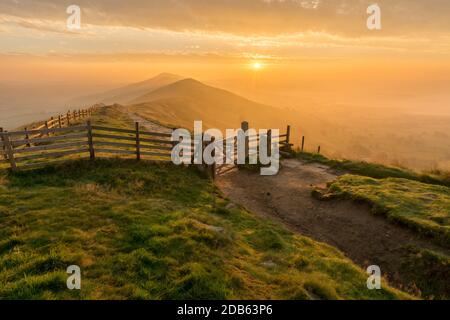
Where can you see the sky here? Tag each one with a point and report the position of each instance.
(307, 46)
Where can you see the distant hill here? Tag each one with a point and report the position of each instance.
(187, 100)
(128, 93)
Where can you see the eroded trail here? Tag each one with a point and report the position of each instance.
(365, 238)
(146, 124)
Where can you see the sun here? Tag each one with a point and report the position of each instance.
(257, 66)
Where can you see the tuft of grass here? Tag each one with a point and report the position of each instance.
(155, 231)
(420, 206)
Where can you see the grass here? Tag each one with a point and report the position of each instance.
(374, 170)
(428, 270)
(420, 206)
(154, 231)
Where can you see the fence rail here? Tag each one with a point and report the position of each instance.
(93, 141)
(82, 140)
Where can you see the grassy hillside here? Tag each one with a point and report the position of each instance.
(142, 231)
(375, 170)
(185, 101)
(421, 206)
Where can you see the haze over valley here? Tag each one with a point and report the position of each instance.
(397, 136)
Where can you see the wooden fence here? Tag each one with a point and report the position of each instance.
(251, 143)
(60, 121)
(83, 141)
(31, 148)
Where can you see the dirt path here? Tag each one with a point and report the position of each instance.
(365, 238)
(148, 125)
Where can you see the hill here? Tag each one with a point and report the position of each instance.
(185, 101)
(149, 231)
(127, 93)
(146, 231)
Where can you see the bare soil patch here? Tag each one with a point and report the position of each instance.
(365, 238)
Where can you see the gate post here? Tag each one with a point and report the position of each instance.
(244, 127)
(269, 143)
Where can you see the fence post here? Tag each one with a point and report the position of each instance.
(288, 138)
(303, 143)
(27, 137)
(59, 121)
(318, 150)
(269, 143)
(3, 147)
(235, 150)
(213, 166)
(90, 140)
(138, 142)
(9, 151)
(68, 118)
(192, 149)
(46, 127)
(244, 127)
(74, 115)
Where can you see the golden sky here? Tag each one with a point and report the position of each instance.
(273, 28)
(307, 43)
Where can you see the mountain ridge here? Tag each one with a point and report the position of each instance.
(125, 94)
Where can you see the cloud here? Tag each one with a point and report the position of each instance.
(247, 17)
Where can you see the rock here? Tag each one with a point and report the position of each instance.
(269, 264)
(230, 206)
